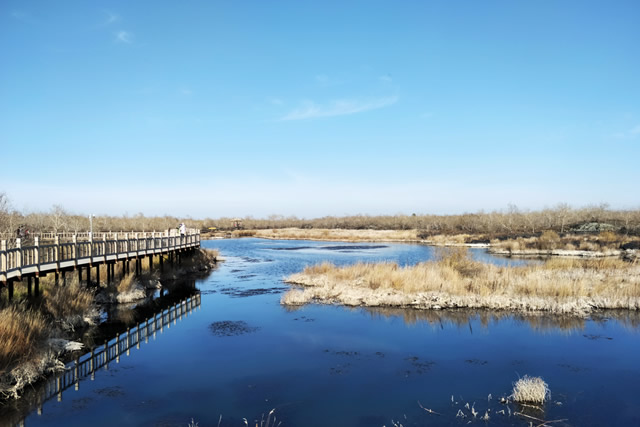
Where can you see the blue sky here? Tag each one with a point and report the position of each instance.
(208, 108)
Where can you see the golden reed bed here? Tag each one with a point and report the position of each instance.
(572, 286)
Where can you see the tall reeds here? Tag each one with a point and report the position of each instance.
(455, 280)
(22, 334)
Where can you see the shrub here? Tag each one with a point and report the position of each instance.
(548, 240)
(458, 259)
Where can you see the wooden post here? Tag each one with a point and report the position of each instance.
(3, 259)
(161, 258)
(151, 263)
(37, 286)
(56, 252)
(57, 278)
(108, 274)
(104, 246)
(74, 250)
(10, 289)
(64, 278)
(36, 253)
(98, 275)
(19, 255)
(29, 285)
(80, 276)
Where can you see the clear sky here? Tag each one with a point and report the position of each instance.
(211, 108)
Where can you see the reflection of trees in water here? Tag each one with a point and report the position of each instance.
(539, 322)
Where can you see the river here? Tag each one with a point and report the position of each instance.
(240, 354)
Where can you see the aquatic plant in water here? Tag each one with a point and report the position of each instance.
(531, 390)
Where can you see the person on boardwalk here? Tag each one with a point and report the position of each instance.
(183, 229)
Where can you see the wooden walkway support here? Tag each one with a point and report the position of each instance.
(61, 253)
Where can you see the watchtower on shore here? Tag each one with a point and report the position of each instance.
(236, 223)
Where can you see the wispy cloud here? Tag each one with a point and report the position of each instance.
(110, 18)
(311, 110)
(185, 91)
(22, 16)
(326, 81)
(629, 134)
(385, 79)
(275, 101)
(322, 79)
(123, 36)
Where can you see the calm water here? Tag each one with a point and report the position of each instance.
(333, 366)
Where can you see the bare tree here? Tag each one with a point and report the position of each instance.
(5, 208)
(58, 218)
(563, 211)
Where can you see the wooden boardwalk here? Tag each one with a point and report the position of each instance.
(60, 253)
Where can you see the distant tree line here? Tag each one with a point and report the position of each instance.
(512, 221)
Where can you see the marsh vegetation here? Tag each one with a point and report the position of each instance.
(455, 280)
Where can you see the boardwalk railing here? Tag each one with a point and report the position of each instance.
(86, 365)
(86, 250)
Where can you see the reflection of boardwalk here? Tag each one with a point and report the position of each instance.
(86, 365)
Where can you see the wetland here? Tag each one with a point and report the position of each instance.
(241, 354)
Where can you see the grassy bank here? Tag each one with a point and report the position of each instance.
(28, 328)
(572, 286)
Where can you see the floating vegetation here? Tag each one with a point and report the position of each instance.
(230, 328)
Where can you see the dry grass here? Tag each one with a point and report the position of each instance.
(67, 302)
(454, 280)
(605, 242)
(22, 334)
(127, 283)
(342, 235)
(531, 390)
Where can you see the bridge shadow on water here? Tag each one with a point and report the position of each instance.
(124, 330)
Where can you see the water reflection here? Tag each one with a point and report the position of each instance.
(157, 315)
(536, 321)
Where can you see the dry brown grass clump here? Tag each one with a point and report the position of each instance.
(66, 302)
(22, 334)
(127, 283)
(531, 390)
